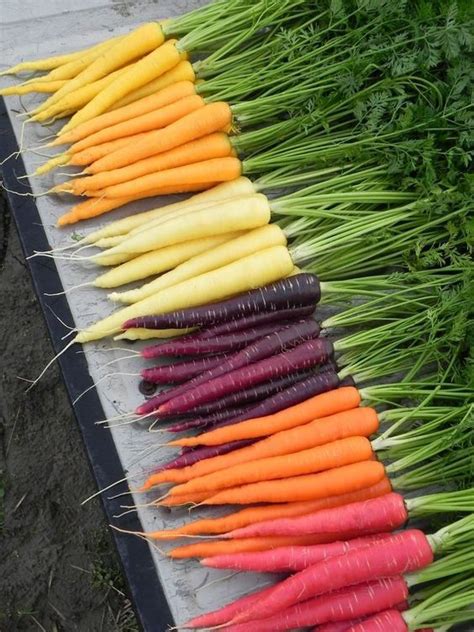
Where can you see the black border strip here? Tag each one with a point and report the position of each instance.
(146, 592)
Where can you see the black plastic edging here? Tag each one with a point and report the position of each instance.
(146, 592)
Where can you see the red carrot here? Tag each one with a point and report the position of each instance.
(387, 620)
(402, 552)
(376, 514)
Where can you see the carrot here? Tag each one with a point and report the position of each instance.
(153, 65)
(336, 606)
(183, 71)
(168, 95)
(221, 547)
(375, 514)
(85, 157)
(242, 187)
(317, 459)
(155, 119)
(316, 407)
(139, 42)
(75, 100)
(340, 480)
(400, 553)
(220, 169)
(36, 86)
(252, 515)
(356, 421)
(98, 206)
(158, 261)
(214, 145)
(290, 559)
(253, 271)
(341, 605)
(211, 118)
(50, 63)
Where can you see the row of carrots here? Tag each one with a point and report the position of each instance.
(322, 433)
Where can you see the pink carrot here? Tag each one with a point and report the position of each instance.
(390, 619)
(289, 559)
(376, 514)
(348, 603)
(343, 626)
(400, 553)
(304, 356)
(226, 613)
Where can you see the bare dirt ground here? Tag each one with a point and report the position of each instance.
(58, 568)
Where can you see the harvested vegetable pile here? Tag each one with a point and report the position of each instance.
(328, 150)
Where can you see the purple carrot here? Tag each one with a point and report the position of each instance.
(239, 324)
(180, 371)
(295, 291)
(285, 338)
(209, 420)
(199, 454)
(217, 344)
(299, 392)
(250, 395)
(306, 355)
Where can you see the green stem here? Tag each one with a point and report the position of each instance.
(444, 502)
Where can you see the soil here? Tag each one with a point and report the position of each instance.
(58, 569)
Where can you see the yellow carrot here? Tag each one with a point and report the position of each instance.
(158, 261)
(225, 191)
(153, 65)
(139, 42)
(211, 259)
(242, 214)
(248, 273)
(181, 72)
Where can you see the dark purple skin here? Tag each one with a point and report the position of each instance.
(296, 291)
(304, 356)
(240, 324)
(270, 345)
(250, 395)
(317, 383)
(209, 420)
(218, 344)
(199, 454)
(180, 371)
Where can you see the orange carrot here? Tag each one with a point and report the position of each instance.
(84, 158)
(215, 169)
(156, 119)
(215, 145)
(252, 515)
(245, 545)
(183, 499)
(315, 407)
(98, 206)
(211, 118)
(340, 480)
(318, 459)
(357, 421)
(164, 97)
